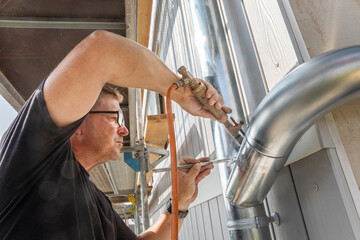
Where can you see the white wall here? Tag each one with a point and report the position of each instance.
(327, 25)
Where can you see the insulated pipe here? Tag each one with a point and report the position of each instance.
(291, 107)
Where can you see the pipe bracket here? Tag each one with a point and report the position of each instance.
(255, 222)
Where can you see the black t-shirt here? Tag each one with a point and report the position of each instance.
(44, 192)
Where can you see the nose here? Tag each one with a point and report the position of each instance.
(122, 130)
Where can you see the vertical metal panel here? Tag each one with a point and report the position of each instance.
(223, 217)
(189, 229)
(342, 170)
(193, 135)
(189, 139)
(209, 136)
(243, 54)
(183, 231)
(320, 199)
(201, 142)
(282, 199)
(207, 221)
(182, 147)
(206, 140)
(349, 199)
(194, 224)
(181, 234)
(201, 227)
(215, 219)
(181, 58)
(272, 38)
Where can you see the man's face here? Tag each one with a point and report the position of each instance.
(101, 131)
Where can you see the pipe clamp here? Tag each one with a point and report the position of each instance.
(255, 222)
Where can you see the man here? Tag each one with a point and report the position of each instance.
(71, 124)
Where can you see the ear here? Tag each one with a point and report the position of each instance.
(78, 131)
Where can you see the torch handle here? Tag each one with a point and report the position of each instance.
(199, 90)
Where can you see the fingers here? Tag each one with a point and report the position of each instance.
(206, 167)
(215, 98)
(189, 179)
(187, 160)
(194, 172)
(202, 175)
(227, 109)
(205, 114)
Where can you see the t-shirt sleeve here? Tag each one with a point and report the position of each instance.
(124, 232)
(31, 141)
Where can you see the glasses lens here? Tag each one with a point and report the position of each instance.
(121, 119)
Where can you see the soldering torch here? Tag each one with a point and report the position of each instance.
(199, 90)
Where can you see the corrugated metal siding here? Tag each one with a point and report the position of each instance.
(193, 135)
(206, 221)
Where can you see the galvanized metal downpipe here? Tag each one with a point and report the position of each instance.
(291, 107)
(216, 68)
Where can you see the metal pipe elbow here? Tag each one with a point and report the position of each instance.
(304, 96)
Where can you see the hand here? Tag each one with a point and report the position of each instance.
(188, 180)
(190, 103)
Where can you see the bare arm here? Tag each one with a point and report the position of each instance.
(73, 87)
(188, 181)
(161, 229)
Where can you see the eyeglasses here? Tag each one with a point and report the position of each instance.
(120, 117)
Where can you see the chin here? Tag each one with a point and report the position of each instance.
(116, 155)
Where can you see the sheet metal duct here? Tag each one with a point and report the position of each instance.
(216, 68)
(297, 102)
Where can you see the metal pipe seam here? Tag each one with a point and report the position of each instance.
(304, 96)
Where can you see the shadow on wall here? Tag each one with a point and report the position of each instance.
(193, 138)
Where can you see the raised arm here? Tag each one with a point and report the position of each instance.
(73, 87)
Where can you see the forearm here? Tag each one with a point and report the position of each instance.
(140, 67)
(101, 57)
(161, 229)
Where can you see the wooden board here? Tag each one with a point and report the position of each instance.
(144, 19)
(156, 135)
(156, 130)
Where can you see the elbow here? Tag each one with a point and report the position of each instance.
(98, 37)
(98, 34)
